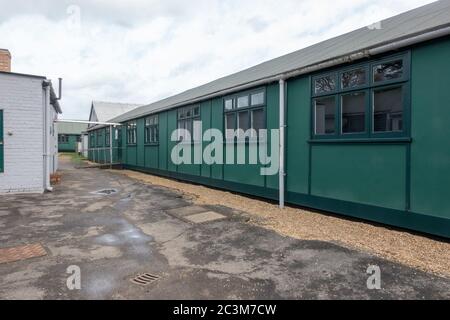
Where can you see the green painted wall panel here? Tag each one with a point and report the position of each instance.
(123, 149)
(217, 123)
(131, 155)
(100, 153)
(140, 142)
(366, 174)
(246, 174)
(70, 146)
(171, 127)
(297, 135)
(163, 141)
(206, 123)
(192, 169)
(151, 157)
(430, 152)
(91, 143)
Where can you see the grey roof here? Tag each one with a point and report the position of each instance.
(418, 21)
(106, 111)
(71, 128)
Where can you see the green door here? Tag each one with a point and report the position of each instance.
(1, 140)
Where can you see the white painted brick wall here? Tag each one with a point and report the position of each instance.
(21, 99)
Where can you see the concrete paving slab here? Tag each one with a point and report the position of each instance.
(205, 217)
(186, 211)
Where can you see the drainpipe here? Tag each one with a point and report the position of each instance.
(281, 172)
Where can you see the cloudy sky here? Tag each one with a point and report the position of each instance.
(141, 51)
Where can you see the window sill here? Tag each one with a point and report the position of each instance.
(152, 144)
(361, 140)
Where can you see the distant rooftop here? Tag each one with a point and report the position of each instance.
(71, 128)
(105, 111)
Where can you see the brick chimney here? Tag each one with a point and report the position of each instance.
(5, 60)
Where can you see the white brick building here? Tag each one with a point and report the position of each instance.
(28, 141)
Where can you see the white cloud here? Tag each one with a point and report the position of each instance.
(142, 51)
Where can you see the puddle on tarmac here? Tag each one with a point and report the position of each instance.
(108, 239)
(100, 285)
(129, 236)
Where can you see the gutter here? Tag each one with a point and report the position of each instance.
(89, 122)
(98, 125)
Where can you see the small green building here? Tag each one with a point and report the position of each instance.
(69, 135)
(363, 121)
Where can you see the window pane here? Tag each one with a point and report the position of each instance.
(189, 127)
(155, 120)
(242, 102)
(243, 122)
(388, 110)
(353, 78)
(354, 113)
(388, 71)
(229, 121)
(325, 112)
(229, 104)
(258, 120)
(196, 111)
(257, 99)
(325, 84)
(180, 126)
(156, 134)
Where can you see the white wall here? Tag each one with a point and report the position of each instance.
(85, 145)
(21, 99)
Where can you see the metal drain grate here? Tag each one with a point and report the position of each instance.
(21, 253)
(144, 279)
(105, 192)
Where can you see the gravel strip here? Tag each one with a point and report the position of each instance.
(403, 247)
